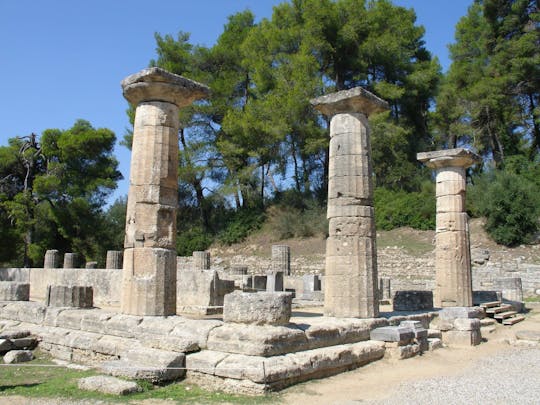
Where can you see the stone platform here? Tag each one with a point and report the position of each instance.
(233, 357)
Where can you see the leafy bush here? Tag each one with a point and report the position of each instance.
(397, 208)
(510, 203)
(191, 240)
(240, 225)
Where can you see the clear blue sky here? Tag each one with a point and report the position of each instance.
(61, 60)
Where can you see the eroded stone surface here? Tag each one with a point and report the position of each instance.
(18, 356)
(108, 385)
(14, 291)
(263, 308)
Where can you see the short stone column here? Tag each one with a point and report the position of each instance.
(201, 260)
(385, 292)
(453, 280)
(149, 269)
(351, 255)
(281, 259)
(52, 259)
(114, 259)
(71, 261)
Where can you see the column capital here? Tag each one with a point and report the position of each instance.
(458, 157)
(355, 100)
(156, 84)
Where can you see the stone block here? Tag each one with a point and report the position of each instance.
(385, 291)
(461, 338)
(466, 324)
(259, 283)
(530, 335)
(6, 345)
(90, 265)
(258, 308)
(14, 334)
(66, 296)
(480, 297)
(401, 335)
(71, 261)
(357, 187)
(114, 259)
(450, 203)
(108, 385)
(348, 207)
(149, 282)
(348, 165)
(52, 259)
(14, 291)
(434, 344)
(281, 259)
(27, 343)
(257, 340)
(413, 300)
(18, 356)
(201, 292)
(201, 260)
(274, 281)
(452, 221)
(238, 269)
(402, 352)
(451, 313)
(351, 226)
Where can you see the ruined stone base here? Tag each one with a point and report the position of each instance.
(222, 356)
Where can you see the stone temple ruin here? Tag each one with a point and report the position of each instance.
(150, 315)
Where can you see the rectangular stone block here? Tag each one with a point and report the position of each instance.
(70, 296)
(259, 282)
(151, 225)
(14, 291)
(274, 281)
(400, 334)
(350, 165)
(149, 282)
(349, 207)
(412, 300)
(450, 203)
(263, 308)
(451, 313)
(466, 324)
(462, 338)
(201, 292)
(348, 141)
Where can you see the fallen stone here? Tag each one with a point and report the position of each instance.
(399, 334)
(6, 345)
(434, 333)
(434, 344)
(466, 324)
(14, 291)
(257, 340)
(24, 343)
(108, 385)
(18, 356)
(531, 335)
(413, 300)
(155, 366)
(14, 334)
(451, 313)
(263, 308)
(462, 338)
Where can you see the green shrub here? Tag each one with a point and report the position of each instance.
(510, 203)
(394, 209)
(191, 240)
(290, 222)
(240, 225)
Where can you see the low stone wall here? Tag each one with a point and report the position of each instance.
(105, 282)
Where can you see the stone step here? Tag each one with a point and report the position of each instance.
(513, 320)
(501, 308)
(504, 315)
(490, 304)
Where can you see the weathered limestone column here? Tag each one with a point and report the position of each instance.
(52, 259)
(351, 255)
(201, 260)
(453, 280)
(71, 261)
(281, 259)
(114, 259)
(149, 270)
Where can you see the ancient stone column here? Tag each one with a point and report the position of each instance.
(52, 259)
(71, 261)
(453, 281)
(351, 257)
(281, 259)
(201, 260)
(149, 270)
(114, 259)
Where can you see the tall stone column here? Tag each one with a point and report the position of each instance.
(453, 280)
(350, 286)
(149, 269)
(281, 259)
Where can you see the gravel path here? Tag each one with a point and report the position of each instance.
(510, 377)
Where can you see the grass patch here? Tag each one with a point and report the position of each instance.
(42, 378)
(536, 298)
(411, 245)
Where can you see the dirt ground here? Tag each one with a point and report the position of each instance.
(378, 380)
